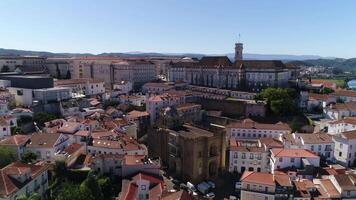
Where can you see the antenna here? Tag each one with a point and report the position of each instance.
(239, 38)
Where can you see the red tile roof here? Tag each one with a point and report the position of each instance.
(16, 140)
(250, 124)
(296, 153)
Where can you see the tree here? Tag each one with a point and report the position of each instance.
(68, 76)
(106, 187)
(90, 186)
(279, 101)
(327, 91)
(28, 157)
(33, 196)
(15, 130)
(70, 191)
(7, 156)
(5, 68)
(60, 170)
(41, 117)
(58, 71)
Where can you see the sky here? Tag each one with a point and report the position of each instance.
(303, 27)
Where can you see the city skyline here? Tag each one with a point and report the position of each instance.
(206, 27)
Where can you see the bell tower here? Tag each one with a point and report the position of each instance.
(238, 50)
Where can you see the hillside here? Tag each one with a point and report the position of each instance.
(344, 64)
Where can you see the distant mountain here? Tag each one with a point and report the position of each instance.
(340, 63)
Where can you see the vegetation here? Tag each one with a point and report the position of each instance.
(33, 196)
(15, 130)
(326, 91)
(5, 68)
(279, 101)
(28, 157)
(7, 156)
(41, 117)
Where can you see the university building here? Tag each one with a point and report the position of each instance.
(220, 72)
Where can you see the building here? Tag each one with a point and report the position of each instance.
(191, 153)
(220, 72)
(345, 148)
(82, 87)
(19, 179)
(265, 186)
(190, 112)
(156, 102)
(249, 129)
(248, 156)
(142, 186)
(340, 110)
(5, 128)
(142, 120)
(157, 87)
(17, 143)
(124, 87)
(319, 143)
(49, 95)
(292, 158)
(47, 145)
(342, 125)
(345, 95)
(58, 67)
(345, 185)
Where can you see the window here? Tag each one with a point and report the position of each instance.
(19, 92)
(319, 148)
(280, 159)
(292, 160)
(340, 154)
(251, 155)
(312, 147)
(243, 155)
(143, 187)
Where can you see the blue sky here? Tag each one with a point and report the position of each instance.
(303, 27)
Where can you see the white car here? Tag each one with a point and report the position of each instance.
(238, 185)
(210, 195)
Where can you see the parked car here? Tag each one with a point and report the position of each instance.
(210, 195)
(203, 187)
(183, 186)
(238, 186)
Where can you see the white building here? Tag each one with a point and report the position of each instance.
(5, 128)
(47, 145)
(156, 102)
(19, 179)
(340, 126)
(249, 129)
(123, 87)
(319, 143)
(340, 110)
(345, 185)
(17, 143)
(82, 86)
(345, 148)
(284, 158)
(248, 156)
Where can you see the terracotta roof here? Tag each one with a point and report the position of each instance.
(346, 181)
(322, 97)
(271, 142)
(349, 134)
(326, 83)
(215, 61)
(16, 140)
(136, 114)
(83, 133)
(345, 93)
(330, 188)
(250, 124)
(351, 106)
(72, 148)
(43, 140)
(315, 138)
(258, 177)
(107, 144)
(347, 120)
(297, 153)
(187, 106)
(69, 127)
(8, 185)
(260, 64)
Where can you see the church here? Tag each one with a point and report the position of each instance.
(221, 72)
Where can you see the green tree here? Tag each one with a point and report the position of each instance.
(68, 75)
(279, 101)
(33, 196)
(7, 156)
(91, 186)
(5, 68)
(58, 71)
(41, 117)
(105, 186)
(60, 170)
(70, 191)
(15, 130)
(28, 157)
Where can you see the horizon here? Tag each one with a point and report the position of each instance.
(177, 28)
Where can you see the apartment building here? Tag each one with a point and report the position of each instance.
(17, 143)
(319, 143)
(82, 87)
(297, 158)
(248, 156)
(249, 129)
(19, 179)
(340, 110)
(345, 148)
(265, 186)
(342, 125)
